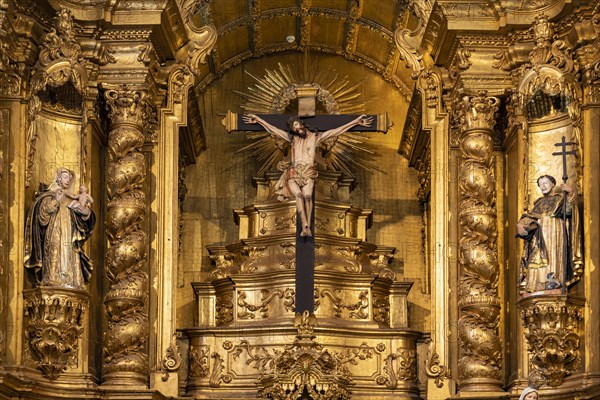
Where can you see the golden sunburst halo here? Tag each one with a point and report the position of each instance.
(274, 92)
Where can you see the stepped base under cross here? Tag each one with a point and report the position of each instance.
(246, 342)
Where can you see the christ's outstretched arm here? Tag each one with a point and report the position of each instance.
(362, 120)
(255, 119)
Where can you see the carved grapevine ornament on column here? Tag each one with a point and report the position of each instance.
(127, 297)
(480, 347)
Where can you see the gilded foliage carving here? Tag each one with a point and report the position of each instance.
(305, 367)
(247, 311)
(10, 78)
(406, 40)
(199, 363)
(480, 346)
(381, 308)
(552, 330)
(436, 371)
(53, 326)
(126, 299)
(223, 266)
(171, 361)
(224, 308)
(216, 376)
(591, 71)
(358, 310)
(400, 366)
(252, 256)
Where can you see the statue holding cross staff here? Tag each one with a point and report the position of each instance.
(552, 254)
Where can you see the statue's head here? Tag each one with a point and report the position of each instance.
(297, 127)
(546, 183)
(529, 393)
(64, 177)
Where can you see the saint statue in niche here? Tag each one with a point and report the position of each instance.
(552, 251)
(56, 231)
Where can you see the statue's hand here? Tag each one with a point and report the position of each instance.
(521, 229)
(566, 187)
(250, 119)
(365, 121)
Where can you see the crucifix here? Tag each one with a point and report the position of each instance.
(305, 132)
(567, 251)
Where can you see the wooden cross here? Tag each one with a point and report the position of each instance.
(305, 245)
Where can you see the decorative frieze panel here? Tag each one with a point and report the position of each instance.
(269, 363)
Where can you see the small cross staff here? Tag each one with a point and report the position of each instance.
(567, 242)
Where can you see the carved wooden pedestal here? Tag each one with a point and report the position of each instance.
(553, 326)
(54, 323)
(245, 342)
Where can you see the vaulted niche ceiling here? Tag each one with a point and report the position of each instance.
(361, 31)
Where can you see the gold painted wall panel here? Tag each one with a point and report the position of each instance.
(326, 31)
(273, 4)
(221, 180)
(542, 136)
(373, 45)
(225, 11)
(233, 43)
(384, 14)
(334, 4)
(58, 145)
(275, 30)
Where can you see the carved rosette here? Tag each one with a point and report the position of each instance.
(480, 363)
(126, 301)
(53, 327)
(552, 329)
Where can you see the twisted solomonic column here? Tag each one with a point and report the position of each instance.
(480, 362)
(126, 300)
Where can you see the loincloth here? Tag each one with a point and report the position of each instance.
(300, 174)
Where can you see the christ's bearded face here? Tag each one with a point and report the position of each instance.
(299, 129)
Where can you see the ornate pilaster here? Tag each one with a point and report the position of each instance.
(480, 363)
(126, 300)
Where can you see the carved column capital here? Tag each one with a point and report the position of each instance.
(126, 103)
(477, 111)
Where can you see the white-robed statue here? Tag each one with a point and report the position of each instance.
(56, 231)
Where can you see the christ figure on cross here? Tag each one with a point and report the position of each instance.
(298, 175)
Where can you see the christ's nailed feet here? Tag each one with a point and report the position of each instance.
(306, 231)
